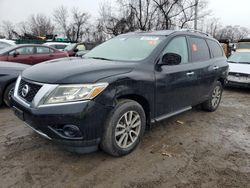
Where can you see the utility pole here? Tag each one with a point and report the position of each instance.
(196, 14)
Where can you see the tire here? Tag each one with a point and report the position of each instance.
(117, 127)
(7, 93)
(213, 102)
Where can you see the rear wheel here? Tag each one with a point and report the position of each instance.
(9, 91)
(214, 101)
(124, 128)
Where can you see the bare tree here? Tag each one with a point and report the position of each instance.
(187, 15)
(234, 33)
(73, 28)
(143, 11)
(61, 16)
(7, 28)
(115, 24)
(23, 27)
(40, 25)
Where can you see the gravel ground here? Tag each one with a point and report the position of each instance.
(194, 149)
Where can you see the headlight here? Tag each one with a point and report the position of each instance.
(72, 93)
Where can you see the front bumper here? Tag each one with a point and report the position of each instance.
(238, 84)
(88, 116)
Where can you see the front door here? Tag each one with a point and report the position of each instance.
(22, 55)
(176, 85)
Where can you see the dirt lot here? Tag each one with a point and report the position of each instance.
(194, 149)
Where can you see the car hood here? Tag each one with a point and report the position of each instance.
(239, 68)
(75, 71)
(4, 65)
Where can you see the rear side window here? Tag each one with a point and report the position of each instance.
(215, 48)
(200, 50)
(42, 50)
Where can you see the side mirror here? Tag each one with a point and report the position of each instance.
(15, 54)
(171, 59)
(76, 50)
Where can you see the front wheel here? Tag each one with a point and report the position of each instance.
(214, 101)
(124, 128)
(9, 91)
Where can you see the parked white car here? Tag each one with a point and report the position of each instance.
(6, 43)
(58, 45)
(239, 69)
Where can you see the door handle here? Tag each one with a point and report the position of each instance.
(190, 73)
(215, 68)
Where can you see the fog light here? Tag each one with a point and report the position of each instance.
(71, 131)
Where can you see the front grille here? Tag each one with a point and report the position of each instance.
(238, 74)
(33, 89)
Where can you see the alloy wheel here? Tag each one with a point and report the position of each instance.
(216, 96)
(128, 129)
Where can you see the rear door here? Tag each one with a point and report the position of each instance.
(214, 69)
(42, 54)
(176, 85)
(201, 61)
(24, 55)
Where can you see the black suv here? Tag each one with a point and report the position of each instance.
(107, 98)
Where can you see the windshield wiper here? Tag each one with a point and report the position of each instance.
(231, 62)
(101, 58)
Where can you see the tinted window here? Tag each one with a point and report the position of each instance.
(23, 50)
(60, 47)
(42, 50)
(215, 48)
(199, 48)
(178, 46)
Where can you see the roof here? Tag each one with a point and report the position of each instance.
(169, 32)
(56, 43)
(11, 42)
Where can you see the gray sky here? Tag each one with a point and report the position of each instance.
(230, 12)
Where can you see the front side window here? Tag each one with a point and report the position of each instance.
(178, 46)
(126, 48)
(24, 50)
(199, 48)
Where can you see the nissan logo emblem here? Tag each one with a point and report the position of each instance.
(25, 90)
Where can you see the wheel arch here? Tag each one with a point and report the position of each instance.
(142, 101)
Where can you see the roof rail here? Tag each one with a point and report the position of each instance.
(196, 31)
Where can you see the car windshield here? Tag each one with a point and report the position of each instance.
(7, 49)
(70, 47)
(126, 48)
(240, 57)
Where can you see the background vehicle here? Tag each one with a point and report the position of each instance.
(243, 44)
(57, 45)
(109, 96)
(239, 69)
(6, 43)
(30, 54)
(81, 53)
(73, 48)
(8, 75)
(225, 43)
